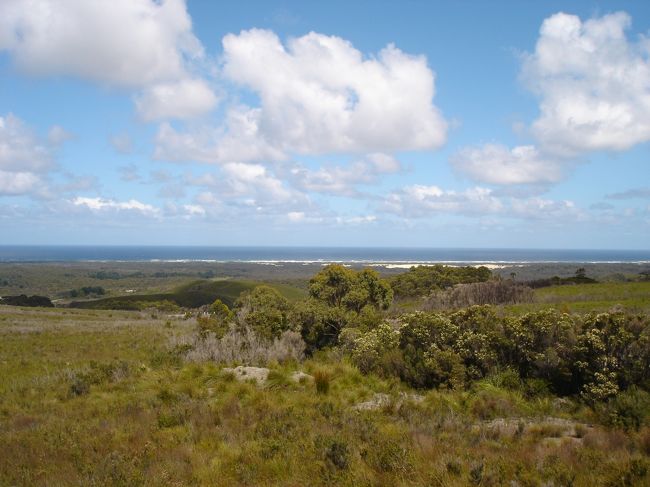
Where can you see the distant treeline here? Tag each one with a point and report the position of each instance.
(193, 295)
(579, 278)
(87, 291)
(24, 300)
(102, 275)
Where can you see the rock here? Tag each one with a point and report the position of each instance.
(300, 376)
(261, 374)
(380, 400)
(242, 374)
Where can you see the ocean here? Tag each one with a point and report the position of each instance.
(14, 253)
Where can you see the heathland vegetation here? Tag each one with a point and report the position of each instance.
(434, 376)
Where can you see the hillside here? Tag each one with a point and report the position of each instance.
(192, 295)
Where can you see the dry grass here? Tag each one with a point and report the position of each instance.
(240, 346)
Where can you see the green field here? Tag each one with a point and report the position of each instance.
(582, 298)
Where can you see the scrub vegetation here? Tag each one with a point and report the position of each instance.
(346, 380)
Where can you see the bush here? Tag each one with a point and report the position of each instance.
(628, 410)
(240, 345)
(596, 355)
(263, 309)
(422, 280)
(479, 293)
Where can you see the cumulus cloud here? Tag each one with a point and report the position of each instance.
(342, 180)
(594, 90)
(423, 201)
(248, 186)
(498, 164)
(24, 157)
(184, 99)
(258, 187)
(317, 94)
(593, 84)
(126, 43)
(211, 145)
(133, 44)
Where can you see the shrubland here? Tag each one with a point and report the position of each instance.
(356, 392)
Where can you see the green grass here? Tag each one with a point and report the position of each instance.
(581, 298)
(96, 398)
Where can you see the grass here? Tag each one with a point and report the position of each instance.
(96, 398)
(581, 298)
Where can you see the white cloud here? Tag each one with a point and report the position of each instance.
(318, 94)
(422, 201)
(184, 99)
(497, 164)
(20, 148)
(247, 186)
(356, 220)
(103, 204)
(133, 44)
(24, 157)
(253, 180)
(296, 216)
(593, 84)
(122, 42)
(342, 180)
(57, 135)
(210, 145)
(544, 209)
(15, 183)
(428, 201)
(193, 210)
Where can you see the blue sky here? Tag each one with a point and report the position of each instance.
(430, 124)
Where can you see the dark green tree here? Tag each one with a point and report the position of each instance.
(265, 310)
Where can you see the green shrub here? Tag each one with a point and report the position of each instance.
(338, 455)
(628, 410)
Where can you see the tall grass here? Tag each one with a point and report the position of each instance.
(240, 345)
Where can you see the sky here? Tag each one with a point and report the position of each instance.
(503, 124)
